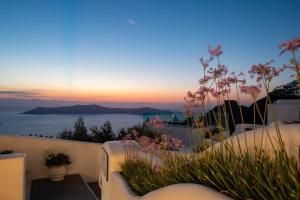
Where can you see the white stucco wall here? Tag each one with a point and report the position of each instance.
(85, 156)
(117, 188)
(185, 191)
(189, 136)
(12, 176)
(240, 128)
(284, 110)
(289, 133)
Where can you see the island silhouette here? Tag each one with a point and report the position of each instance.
(95, 109)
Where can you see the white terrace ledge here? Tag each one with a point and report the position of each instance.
(85, 156)
(12, 173)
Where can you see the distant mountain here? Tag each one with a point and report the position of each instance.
(94, 109)
(23, 105)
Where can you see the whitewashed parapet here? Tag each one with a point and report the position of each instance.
(85, 156)
(287, 110)
(289, 133)
(114, 186)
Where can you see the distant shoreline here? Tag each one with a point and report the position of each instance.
(95, 109)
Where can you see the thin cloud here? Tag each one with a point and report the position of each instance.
(19, 93)
(131, 22)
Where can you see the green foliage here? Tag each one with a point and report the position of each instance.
(240, 176)
(140, 176)
(6, 152)
(103, 134)
(57, 160)
(81, 133)
(65, 134)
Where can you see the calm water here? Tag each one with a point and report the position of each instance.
(11, 122)
(14, 123)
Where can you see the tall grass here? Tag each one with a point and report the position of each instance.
(240, 176)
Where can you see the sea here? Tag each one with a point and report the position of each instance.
(13, 122)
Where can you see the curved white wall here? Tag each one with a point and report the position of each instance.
(85, 156)
(117, 188)
(184, 191)
(290, 134)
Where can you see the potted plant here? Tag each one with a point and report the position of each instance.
(57, 165)
(6, 152)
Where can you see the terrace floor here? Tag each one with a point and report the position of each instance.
(72, 188)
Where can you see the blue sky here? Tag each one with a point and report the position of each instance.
(134, 50)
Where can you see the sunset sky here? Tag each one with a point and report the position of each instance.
(133, 51)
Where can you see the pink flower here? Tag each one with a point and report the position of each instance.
(228, 81)
(252, 90)
(144, 141)
(165, 142)
(265, 71)
(215, 51)
(197, 123)
(221, 70)
(155, 122)
(204, 80)
(202, 92)
(205, 63)
(217, 94)
(127, 137)
(135, 133)
(190, 103)
(151, 147)
(178, 143)
(290, 45)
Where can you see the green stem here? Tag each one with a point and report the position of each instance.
(296, 65)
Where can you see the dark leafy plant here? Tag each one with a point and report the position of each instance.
(80, 131)
(6, 152)
(103, 134)
(65, 134)
(57, 160)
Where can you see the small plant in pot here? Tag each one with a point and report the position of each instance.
(57, 165)
(6, 152)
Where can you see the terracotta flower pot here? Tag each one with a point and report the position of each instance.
(57, 173)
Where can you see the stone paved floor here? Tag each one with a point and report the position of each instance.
(96, 189)
(72, 188)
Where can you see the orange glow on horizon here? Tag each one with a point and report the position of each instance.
(154, 96)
